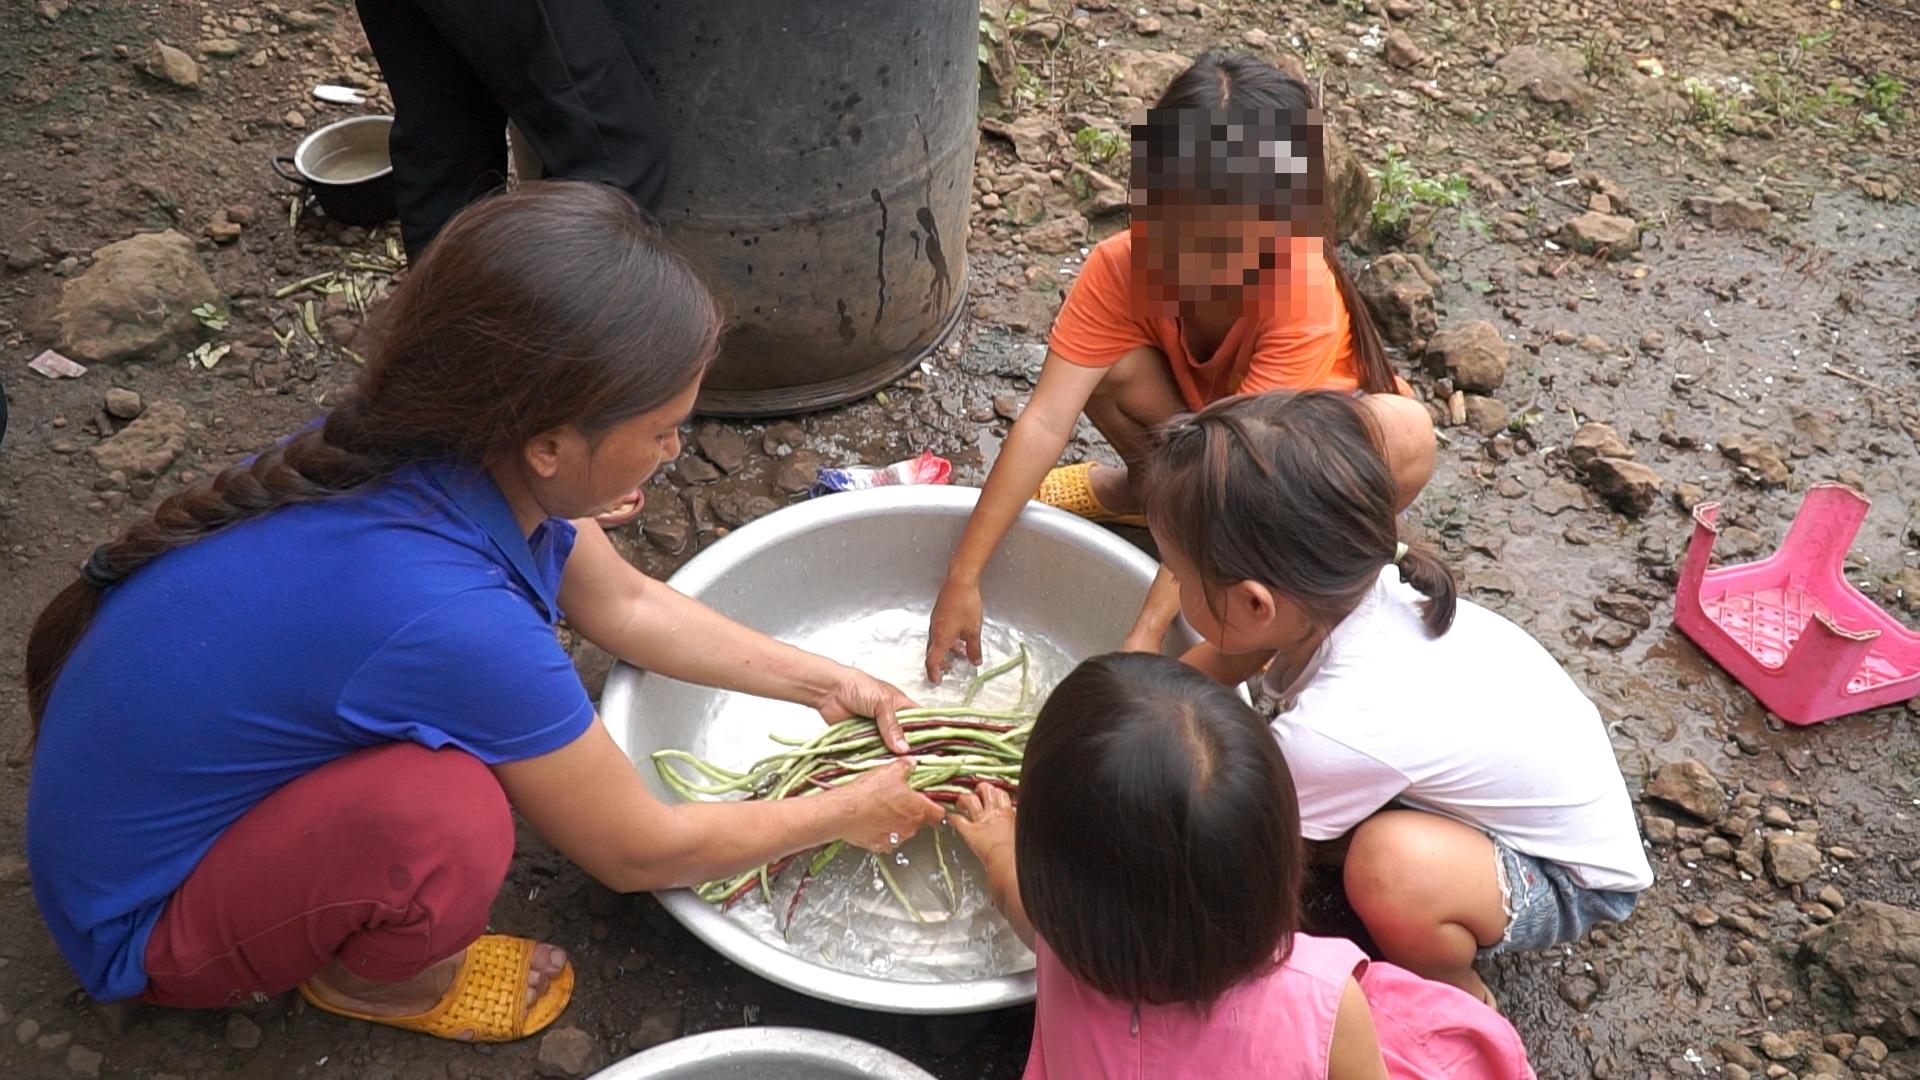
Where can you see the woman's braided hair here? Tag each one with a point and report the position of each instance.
(553, 306)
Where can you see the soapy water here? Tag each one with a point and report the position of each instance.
(848, 919)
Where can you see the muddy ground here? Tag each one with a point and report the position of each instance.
(1761, 339)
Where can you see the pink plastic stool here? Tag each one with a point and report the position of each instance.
(1790, 627)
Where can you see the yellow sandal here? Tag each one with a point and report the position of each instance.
(1070, 488)
(488, 997)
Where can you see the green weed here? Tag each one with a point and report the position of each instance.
(211, 317)
(1403, 191)
(1098, 145)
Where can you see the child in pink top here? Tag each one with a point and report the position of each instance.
(1156, 870)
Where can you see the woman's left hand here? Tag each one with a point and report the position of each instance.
(860, 694)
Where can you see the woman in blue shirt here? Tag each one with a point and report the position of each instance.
(281, 721)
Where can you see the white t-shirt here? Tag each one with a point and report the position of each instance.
(1479, 724)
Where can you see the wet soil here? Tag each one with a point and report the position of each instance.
(1804, 334)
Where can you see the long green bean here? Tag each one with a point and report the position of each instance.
(954, 748)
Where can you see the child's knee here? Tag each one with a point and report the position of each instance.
(1386, 861)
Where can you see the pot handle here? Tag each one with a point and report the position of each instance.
(278, 160)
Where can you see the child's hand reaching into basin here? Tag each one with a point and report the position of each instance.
(883, 811)
(984, 819)
(860, 694)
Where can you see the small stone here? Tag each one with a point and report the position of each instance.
(1690, 786)
(1842, 854)
(52, 1041)
(1544, 77)
(1818, 912)
(736, 508)
(1579, 990)
(783, 438)
(1400, 296)
(1558, 161)
(1147, 25)
(1402, 10)
(242, 215)
(1628, 486)
(1614, 635)
(148, 446)
(695, 470)
(564, 1053)
(1401, 52)
(294, 119)
(220, 48)
(659, 1024)
(1472, 354)
(1792, 858)
(1660, 830)
(724, 447)
(1777, 1047)
(1871, 1049)
(84, 1062)
(1059, 235)
(1594, 232)
(222, 231)
(242, 1032)
(668, 536)
(1734, 1052)
(1487, 416)
(1831, 897)
(1703, 916)
(1762, 461)
(124, 403)
(1652, 341)
(794, 478)
(1627, 608)
(171, 66)
(301, 20)
(1594, 440)
(1777, 817)
(1730, 212)
(1717, 847)
(1006, 406)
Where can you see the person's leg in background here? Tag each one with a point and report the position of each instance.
(449, 133)
(373, 871)
(561, 70)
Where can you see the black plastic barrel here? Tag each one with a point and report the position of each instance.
(822, 170)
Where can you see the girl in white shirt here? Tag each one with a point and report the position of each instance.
(1473, 782)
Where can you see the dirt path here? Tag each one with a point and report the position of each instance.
(1711, 353)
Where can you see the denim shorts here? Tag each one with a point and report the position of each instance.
(1544, 905)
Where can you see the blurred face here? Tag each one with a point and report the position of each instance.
(572, 475)
(1187, 253)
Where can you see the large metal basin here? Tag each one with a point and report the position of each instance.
(771, 1053)
(831, 561)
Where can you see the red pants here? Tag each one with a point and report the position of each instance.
(386, 860)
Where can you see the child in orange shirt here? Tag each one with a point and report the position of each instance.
(1227, 282)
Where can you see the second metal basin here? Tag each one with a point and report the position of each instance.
(801, 572)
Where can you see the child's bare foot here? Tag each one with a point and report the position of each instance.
(1112, 487)
(337, 986)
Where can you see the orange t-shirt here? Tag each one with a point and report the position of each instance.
(1304, 343)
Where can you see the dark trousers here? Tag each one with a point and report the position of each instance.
(459, 69)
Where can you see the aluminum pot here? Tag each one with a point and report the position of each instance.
(347, 168)
(837, 558)
(764, 1053)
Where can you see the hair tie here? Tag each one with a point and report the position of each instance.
(1399, 552)
(96, 572)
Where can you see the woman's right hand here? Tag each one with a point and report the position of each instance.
(955, 627)
(882, 811)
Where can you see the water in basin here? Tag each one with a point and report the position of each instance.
(848, 919)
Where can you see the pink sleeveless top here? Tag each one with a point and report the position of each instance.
(1276, 1027)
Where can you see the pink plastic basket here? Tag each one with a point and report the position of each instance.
(1790, 627)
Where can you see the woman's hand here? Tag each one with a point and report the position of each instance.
(860, 694)
(955, 627)
(984, 819)
(883, 812)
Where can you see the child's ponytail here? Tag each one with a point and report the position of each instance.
(1431, 579)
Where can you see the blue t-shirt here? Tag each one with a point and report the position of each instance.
(415, 610)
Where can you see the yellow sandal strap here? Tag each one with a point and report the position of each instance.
(488, 996)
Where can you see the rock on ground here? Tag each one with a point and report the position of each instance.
(84, 1062)
(1472, 354)
(1792, 858)
(1350, 187)
(145, 448)
(136, 300)
(724, 447)
(1059, 235)
(171, 66)
(1545, 78)
(1761, 459)
(124, 403)
(1596, 441)
(1864, 971)
(1402, 53)
(1725, 210)
(1487, 416)
(1144, 73)
(659, 1024)
(1690, 786)
(565, 1052)
(1594, 231)
(1400, 297)
(242, 1032)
